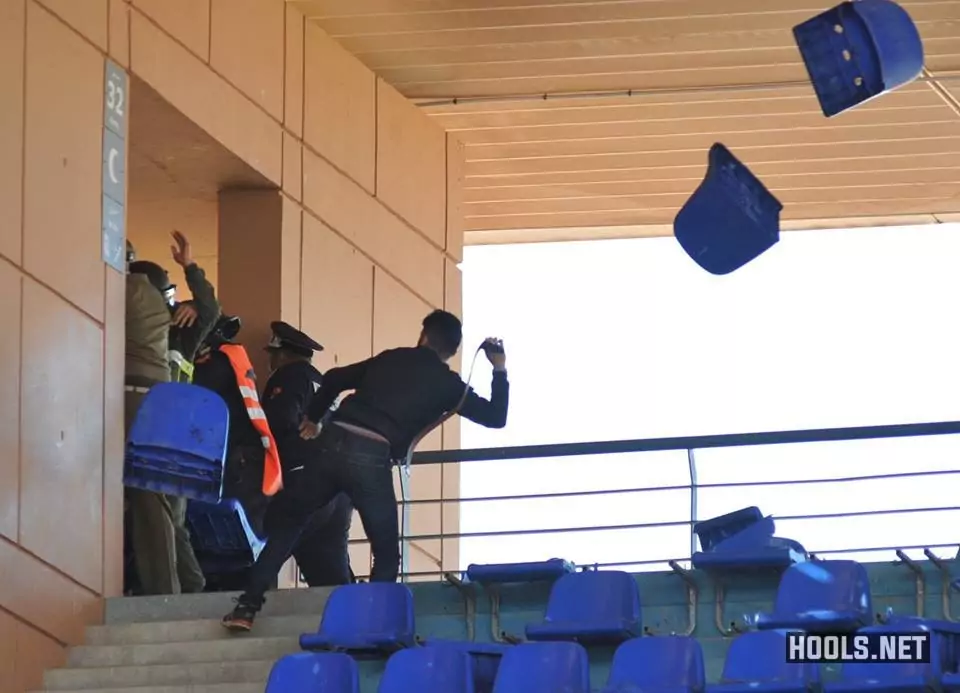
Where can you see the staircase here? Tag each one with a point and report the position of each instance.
(176, 645)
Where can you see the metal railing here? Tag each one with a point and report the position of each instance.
(690, 446)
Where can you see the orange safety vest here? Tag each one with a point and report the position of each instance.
(243, 369)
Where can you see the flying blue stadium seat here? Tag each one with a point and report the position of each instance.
(591, 607)
(730, 219)
(752, 548)
(428, 670)
(857, 51)
(544, 667)
(221, 536)
(365, 617)
(890, 677)
(485, 658)
(669, 664)
(314, 672)
(756, 663)
(178, 442)
(494, 573)
(821, 596)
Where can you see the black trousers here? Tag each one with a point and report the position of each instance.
(347, 463)
(323, 550)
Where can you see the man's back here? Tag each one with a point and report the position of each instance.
(402, 392)
(147, 329)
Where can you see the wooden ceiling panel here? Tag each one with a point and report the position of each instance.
(598, 114)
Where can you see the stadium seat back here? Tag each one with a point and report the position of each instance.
(428, 670)
(178, 442)
(730, 219)
(494, 573)
(365, 616)
(759, 657)
(822, 595)
(857, 51)
(314, 672)
(669, 663)
(592, 606)
(896, 671)
(544, 667)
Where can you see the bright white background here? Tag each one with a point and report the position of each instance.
(630, 339)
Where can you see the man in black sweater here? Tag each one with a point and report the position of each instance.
(398, 396)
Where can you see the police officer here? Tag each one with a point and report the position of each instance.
(322, 551)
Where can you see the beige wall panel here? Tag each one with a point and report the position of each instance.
(61, 433)
(189, 85)
(411, 164)
(119, 32)
(247, 47)
(25, 653)
(188, 21)
(63, 162)
(10, 306)
(293, 72)
(337, 296)
(292, 166)
(89, 17)
(352, 212)
(456, 161)
(12, 27)
(340, 108)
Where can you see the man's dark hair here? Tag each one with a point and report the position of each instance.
(155, 273)
(443, 331)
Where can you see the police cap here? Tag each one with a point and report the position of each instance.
(289, 338)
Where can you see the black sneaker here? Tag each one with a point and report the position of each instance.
(240, 620)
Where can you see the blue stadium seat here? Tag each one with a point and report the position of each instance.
(222, 538)
(365, 617)
(730, 219)
(890, 677)
(177, 442)
(756, 663)
(716, 530)
(494, 573)
(544, 667)
(671, 664)
(323, 672)
(736, 545)
(821, 596)
(485, 656)
(428, 670)
(592, 607)
(857, 51)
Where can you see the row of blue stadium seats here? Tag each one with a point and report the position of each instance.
(755, 663)
(598, 607)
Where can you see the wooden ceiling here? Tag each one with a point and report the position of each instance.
(550, 158)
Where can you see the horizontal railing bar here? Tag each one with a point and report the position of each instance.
(657, 525)
(680, 487)
(667, 561)
(821, 435)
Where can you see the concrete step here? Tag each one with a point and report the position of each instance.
(238, 649)
(197, 630)
(208, 688)
(170, 675)
(188, 607)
